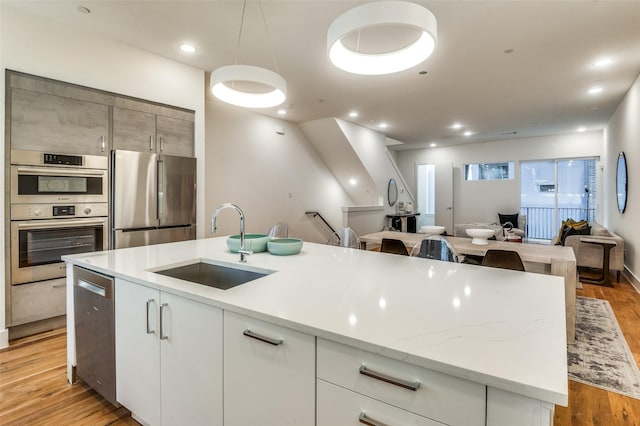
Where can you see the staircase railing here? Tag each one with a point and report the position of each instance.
(324, 221)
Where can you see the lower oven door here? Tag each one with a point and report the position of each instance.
(38, 245)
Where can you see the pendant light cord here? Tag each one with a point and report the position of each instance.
(244, 7)
(266, 29)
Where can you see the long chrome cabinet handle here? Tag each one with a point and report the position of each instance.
(161, 144)
(149, 330)
(369, 421)
(413, 386)
(269, 340)
(162, 335)
(102, 144)
(150, 142)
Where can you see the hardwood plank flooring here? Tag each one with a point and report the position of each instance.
(34, 388)
(590, 406)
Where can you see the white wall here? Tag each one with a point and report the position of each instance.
(271, 177)
(622, 134)
(38, 46)
(480, 201)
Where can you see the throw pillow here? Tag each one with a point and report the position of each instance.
(504, 218)
(586, 230)
(569, 223)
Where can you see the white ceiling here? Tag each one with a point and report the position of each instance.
(538, 89)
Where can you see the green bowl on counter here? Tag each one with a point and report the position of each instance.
(254, 242)
(284, 246)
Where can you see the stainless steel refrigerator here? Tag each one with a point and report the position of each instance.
(153, 198)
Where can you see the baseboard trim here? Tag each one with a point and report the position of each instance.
(4, 338)
(633, 279)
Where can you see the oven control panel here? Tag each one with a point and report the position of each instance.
(57, 211)
(64, 211)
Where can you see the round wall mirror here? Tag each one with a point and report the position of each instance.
(621, 183)
(392, 192)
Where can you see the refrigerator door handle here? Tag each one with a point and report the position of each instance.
(160, 189)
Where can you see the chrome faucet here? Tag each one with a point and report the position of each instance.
(243, 252)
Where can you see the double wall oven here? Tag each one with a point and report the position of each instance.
(59, 206)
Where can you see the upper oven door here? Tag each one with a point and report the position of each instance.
(58, 185)
(38, 245)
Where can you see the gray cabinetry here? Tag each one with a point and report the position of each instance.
(133, 130)
(147, 132)
(51, 123)
(175, 136)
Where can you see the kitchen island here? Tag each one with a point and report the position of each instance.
(429, 341)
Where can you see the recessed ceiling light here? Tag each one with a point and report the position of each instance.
(83, 9)
(594, 108)
(352, 181)
(353, 114)
(581, 129)
(467, 133)
(595, 90)
(456, 126)
(433, 145)
(603, 62)
(188, 48)
(383, 125)
(282, 111)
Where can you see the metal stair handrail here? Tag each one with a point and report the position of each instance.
(317, 214)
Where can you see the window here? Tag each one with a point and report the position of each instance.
(555, 190)
(489, 171)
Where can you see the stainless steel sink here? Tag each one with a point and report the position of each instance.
(214, 275)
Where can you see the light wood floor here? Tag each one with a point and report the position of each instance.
(34, 390)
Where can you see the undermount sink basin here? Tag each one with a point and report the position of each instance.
(214, 275)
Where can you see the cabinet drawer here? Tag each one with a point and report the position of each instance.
(269, 374)
(38, 301)
(441, 397)
(339, 406)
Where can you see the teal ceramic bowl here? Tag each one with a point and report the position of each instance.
(284, 246)
(254, 242)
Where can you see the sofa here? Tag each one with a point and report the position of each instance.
(460, 229)
(590, 255)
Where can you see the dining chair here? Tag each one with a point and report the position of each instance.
(279, 230)
(393, 246)
(436, 247)
(345, 237)
(505, 259)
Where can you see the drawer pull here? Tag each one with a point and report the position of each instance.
(269, 340)
(369, 421)
(413, 386)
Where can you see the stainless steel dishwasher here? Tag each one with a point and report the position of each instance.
(94, 308)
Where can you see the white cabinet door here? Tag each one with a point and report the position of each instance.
(138, 350)
(168, 357)
(191, 358)
(269, 374)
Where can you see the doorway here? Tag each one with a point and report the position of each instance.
(555, 190)
(434, 184)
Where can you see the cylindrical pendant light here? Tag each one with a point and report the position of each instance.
(392, 12)
(263, 76)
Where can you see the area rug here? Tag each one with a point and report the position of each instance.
(600, 356)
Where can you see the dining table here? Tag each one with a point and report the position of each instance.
(537, 258)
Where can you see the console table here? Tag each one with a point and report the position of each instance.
(407, 221)
(603, 278)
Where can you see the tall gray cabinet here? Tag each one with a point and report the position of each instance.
(56, 117)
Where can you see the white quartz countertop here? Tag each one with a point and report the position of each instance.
(505, 329)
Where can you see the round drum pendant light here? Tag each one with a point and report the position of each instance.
(393, 12)
(248, 73)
